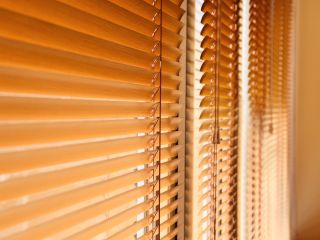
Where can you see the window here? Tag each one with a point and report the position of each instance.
(91, 118)
(270, 119)
(120, 119)
(212, 118)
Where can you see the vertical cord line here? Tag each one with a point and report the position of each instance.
(217, 127)
(260, 159)
(262, 113)
(282, 102)
(260, 177)
(214, 149)
(260, 123)
(237, 117)
(271, 67)
(253, 63)
(213, 101)
(217, 85)
(156, 131)
(244, 165)
(160, 115)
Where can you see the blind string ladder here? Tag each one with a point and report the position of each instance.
(154, 220)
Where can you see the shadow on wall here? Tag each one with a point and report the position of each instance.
(308, 122)
(310, 230)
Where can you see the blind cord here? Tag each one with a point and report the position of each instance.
(156, 132)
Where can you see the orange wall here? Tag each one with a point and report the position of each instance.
(308, 121)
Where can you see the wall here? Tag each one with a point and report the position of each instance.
(308, 121)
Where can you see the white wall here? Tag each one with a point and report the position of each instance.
(308, 121)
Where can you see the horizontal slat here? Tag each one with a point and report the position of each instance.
(225, 71)
(225, 66)
(223, 145)
(164, 234)
(74, 64)
(206, 125)
(225, 86)
(48, 35)
(71, 219)
(209, 40)
(207, 90)
(170, 165)
(226, 158)
(27, 185)
(209, 18)
(225, 52)
(114, 221)
(62, 14)
(210, 55)
(203, 197)
(168, 7)
(53, 203)
(209, 182)
(168, 223)
(169, 180)
(151, 12)
(20, 81)
(169, 208)
(226, 197)
(131, 230)
(100, 28)
(74, 218)
(25, 29)
(177, 2)
(33, 108)
(171, 193)
(26, 159)
(223, 102)
(40, 132)
(56, 202)
(227, 7)
(223, 113)
(225, 137)
(227, 36)
(220, 188)
(171, 235)
(208, 136)
(140, 21)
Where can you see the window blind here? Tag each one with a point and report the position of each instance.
(90, 122)
(212, 107)
(270, 92)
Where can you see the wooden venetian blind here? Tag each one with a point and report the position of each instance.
(90, 119)
(213, 118)
(270, 117)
